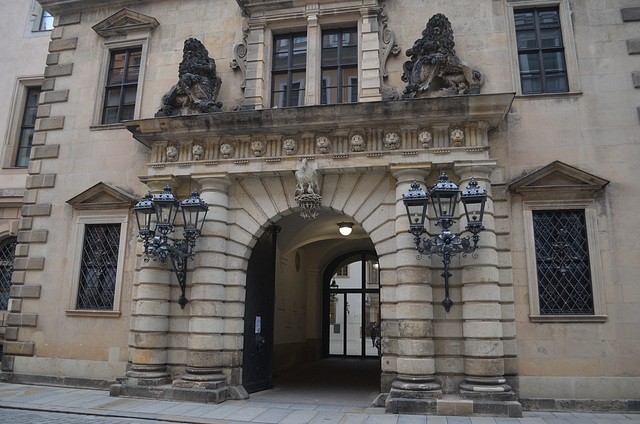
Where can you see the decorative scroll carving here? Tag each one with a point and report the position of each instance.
(434, 69)
(198, 85)
(307, 192)
(240, 56)
(388, 47)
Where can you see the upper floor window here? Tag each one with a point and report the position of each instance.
(7, 255)
(46, 21)
(339, 66)
(289, 70)
(122, 85)
(541, 54)
(27, 126)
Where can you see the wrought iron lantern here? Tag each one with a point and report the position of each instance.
(157, 214)
(444, 198)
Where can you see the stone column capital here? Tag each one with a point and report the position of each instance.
(407, 175)
(207, 182)
(156, 183)
(476, 169)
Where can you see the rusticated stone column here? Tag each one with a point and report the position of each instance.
(414, 389)
(481, 309)
(150, 319)
(207, 295)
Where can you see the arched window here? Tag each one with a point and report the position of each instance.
(7, 254)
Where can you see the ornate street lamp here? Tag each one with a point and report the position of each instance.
(157, 214)
(444, 198)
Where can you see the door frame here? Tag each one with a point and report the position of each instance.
(327, 274)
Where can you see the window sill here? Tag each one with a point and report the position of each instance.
(101, 127)
(548, 95)
(568, 318)
(92, 313)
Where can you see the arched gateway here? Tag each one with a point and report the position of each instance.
(364, 161)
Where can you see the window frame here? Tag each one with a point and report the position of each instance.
(109, 47)
(339, 66)
(34, 21)
(14, 127)
(290, 70)
(595, 261)
(566, 28)
(88, 218)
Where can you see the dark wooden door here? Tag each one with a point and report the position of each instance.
(258, 315)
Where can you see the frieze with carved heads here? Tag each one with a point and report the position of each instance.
(227, 149)
(198, 84)
(425, 139)
(290, 147)
(434, 69)
(392, 141)
(198, 152)
(258, 148)
(173, 153)
(457, 137)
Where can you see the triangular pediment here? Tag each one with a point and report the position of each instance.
(558, 176)
(125, 21)
(103, 196)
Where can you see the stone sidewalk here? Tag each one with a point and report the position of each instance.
(86, 402)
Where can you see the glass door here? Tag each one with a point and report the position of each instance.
(354, 308)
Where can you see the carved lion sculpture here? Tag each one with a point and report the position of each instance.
(198, 85)
(434, 69)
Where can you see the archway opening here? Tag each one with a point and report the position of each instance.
(306, 255)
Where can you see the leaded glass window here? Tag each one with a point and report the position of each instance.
(7, 255)
(562, 262)
(541, 51)
(99, 266)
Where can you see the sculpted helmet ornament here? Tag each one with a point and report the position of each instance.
(198, 152)
(172, 154)
(258, 148)
(434, 69)
(392, 141)
(290, 147)
(323, 144)
(198, 85)
(357, 143)
(425, 138)
(457, 137)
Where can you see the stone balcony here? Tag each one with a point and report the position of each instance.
(358, 136)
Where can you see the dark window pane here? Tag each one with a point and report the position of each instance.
(7, 255)
(112, 97)
(349, 55)
(339, 66)
(539, 38)
(562, 260)
(110, 115)
(99, 266)
(27, 127)
(289, 63)
(120, 94)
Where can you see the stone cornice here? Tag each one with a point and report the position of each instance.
(358, 135)
(61, 7)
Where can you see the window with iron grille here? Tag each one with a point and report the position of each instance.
(122, 85)
(7, 255)
(289, 70)
(541, 54)
(339, 66)
(562, 262)
(99, 265)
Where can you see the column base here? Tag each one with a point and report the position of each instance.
(486, 388)
(413, 394)
(147, 375)
(454, 405)
(202, 378)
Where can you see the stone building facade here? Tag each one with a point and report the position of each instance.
(537, 101)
